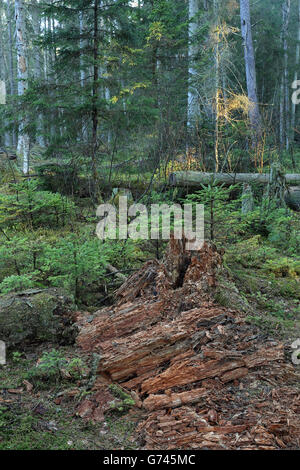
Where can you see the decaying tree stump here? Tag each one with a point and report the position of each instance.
(189, 363)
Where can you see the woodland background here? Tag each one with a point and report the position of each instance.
(111, 97)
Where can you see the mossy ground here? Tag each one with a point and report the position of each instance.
(268, 287)
(44, 419)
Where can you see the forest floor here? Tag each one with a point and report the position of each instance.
(43, 414)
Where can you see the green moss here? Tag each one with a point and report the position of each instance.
(271, 325)
(54, 427)
(227, 295)
(35, 315)
(123, 400)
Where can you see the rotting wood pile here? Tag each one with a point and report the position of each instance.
(202, 377)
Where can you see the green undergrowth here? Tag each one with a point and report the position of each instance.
(49, 240)
(268, 281)
(39, 420)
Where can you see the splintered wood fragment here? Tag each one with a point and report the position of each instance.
(138, 282)
(223, 429)
(188, 372)
(142, 352)
(264, 356)
(136, 381)
(234, 375)
(155, 402)
(118, 323)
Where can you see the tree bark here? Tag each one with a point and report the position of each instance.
(293, 117)
(23, 137)
(95, 119)
(217, 83)
(38, 69)
(284, 95)
(82, 70)
(254, 113)
(192, 112)
(11, 63)
(3, 80)
(196, 178)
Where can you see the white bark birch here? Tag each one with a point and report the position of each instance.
(23, 137)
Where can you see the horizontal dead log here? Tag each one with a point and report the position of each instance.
(188, 372)
(265, 355)
(116, 272)
(127, 357)
(196, 178)
(156, 402)
(193, 370)
(109, 324)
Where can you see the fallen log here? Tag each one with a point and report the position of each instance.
(174, 400)
(189, 372)
(196, 178)
(116, 272)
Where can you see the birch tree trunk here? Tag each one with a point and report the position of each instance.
(192, 111)
(293, 112)
(23, 137)
(254, 113)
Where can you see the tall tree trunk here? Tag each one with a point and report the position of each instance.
(82, 71)
(104, 72)
(23, 137)
(3, 76)
(217, 83)
(254, 113)
(293, 117)
(95, 119)
(38, 73)
(284, 94)
(192, 111)
(11, 63)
